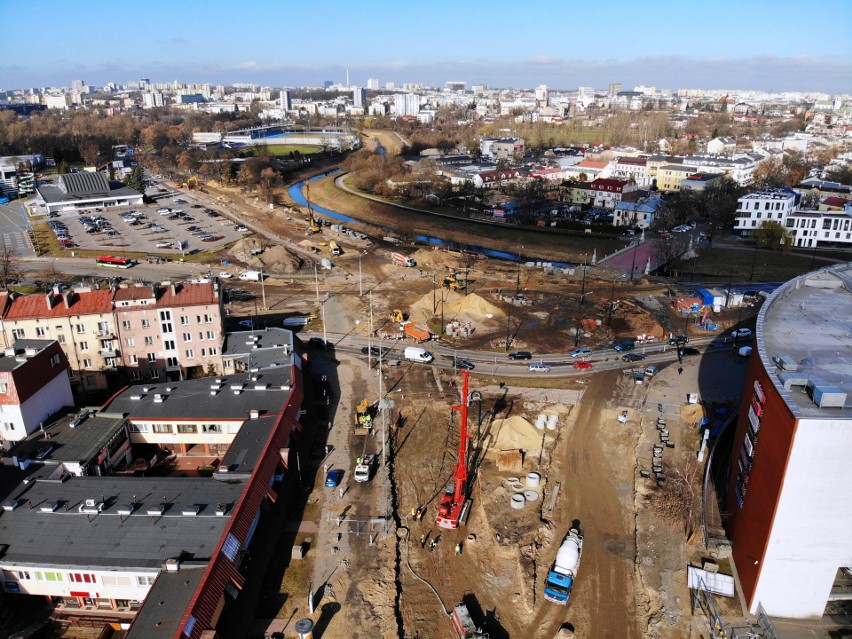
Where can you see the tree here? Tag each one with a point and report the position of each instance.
(89, 151)
(111, 173)
(720, 199)
(136, 180)
(772, 235)
(678, 500)
(268, 180)
(63, 168)
(10, 270)
(842, 174)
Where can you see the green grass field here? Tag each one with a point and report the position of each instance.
(285, 149)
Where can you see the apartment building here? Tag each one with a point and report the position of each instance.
(827, 229)
(607, 193)
(632, 168)
(756, 208)
(169, 331)
(80, 320)
(670, 176)
(33, 385)
(143, 333)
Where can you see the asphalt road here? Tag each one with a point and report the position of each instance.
(13, 229)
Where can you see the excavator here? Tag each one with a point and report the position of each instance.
(397, 315)
(313, 225)
(450, 282)
(191, 183)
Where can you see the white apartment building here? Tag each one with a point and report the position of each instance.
(406, 104)
(768, 205)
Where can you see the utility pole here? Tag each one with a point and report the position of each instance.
(263, 289)
(316, 281)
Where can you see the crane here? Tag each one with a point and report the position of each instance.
(453, 504)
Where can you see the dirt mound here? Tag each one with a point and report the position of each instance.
(427, 258)
(516, 433)
(465, 308)
(472, 305)
(273, 260)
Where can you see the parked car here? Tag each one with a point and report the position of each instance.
(224, 275)
(163, 244)
(581, 352)
(520, 355)
(539, 367)
(741, 332)
(333, 478)
(650, 371)
(582, 364)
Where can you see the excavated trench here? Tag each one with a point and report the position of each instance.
(400, 539)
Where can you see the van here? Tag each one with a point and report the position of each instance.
(415, 354)
(251, 276)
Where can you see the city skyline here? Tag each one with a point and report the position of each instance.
(757, 45)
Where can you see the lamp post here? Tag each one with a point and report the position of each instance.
(633, 267)
(360, 278)
(518, 278)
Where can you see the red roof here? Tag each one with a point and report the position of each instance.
(607, 184)
(187, 295)
(35, 306)
(133, 293)
(634, 161)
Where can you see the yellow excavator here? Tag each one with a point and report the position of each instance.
(313, 225)
(398, 316)
(450, 282)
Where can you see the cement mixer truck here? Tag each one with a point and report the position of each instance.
(402, 260)
(560, 579)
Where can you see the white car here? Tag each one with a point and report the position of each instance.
(163, 244)
(164, 211)
(242, 229)
(224, 275)
(539, 367)
(741, 332)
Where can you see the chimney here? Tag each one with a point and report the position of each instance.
(174, 289)
(66, 298)
(49, 299)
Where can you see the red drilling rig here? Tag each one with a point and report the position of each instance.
(453, 504)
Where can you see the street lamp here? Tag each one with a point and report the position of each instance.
(360, 279)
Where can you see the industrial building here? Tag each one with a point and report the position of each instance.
(789, 512)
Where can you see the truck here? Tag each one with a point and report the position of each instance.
(364, 470)
(413, 330)
(463, 626)
(415, 354)
(402, 260)
(560, 579)
(251, 276)
(334, 248)
(364, 418)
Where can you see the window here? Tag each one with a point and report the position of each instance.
(190, 354)
(125, 324)
(171, 362)
(106, 344)
(80, 328)
(60, 338)
(184, 320)
(3, 389)
(81, 578)
(826, 225)
(110, 580)
(40, 331)
(146, 323)
(167, 327)
(111, 362)
(8, 426)
(134, 359)
(155, 374)
(84, 346)
(231, 546)
(130, 342)
(103, 327)
(87, 363)
(152, 357)
(165, 316)
(203, 352)
(187, 337)
(211, 428)
(211, 334)
(162, 428)
(187, 428)
(135, 376)
(146, 580)
(18, 333)
(169, 345)
(149, 340)
(49, 576)
(208, 319)
(22, 574)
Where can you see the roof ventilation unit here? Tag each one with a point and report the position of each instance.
(126, 511)
(9, 352)
(156, 511)
(50, 508)
(31, 352)
(190, 511)
(158, 399)
(136, 397)
(11, 505)
(786, 362)
(824, 395)
(145, 389)
(254, 414)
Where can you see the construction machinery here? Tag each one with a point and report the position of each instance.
(397, 315)
(191, 183)
(313, 225)
(560, 580)
(402, 260)
(334, 248)
(454, 503)
(463, 625)
(413, 330)
(364, 418)
(450, 282)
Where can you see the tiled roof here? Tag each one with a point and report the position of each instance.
(79, 303)
(591, 164)
(133, 293)
(187, 295)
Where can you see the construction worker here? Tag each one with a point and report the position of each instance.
(458, 549)
(423, 540)
(432, 544)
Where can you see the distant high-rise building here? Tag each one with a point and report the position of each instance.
(284, 101)
(541, 96)
(586, 92)
(406, 104)
(614, 88)
(455, 85)
(359, 94)
(645, 90)
(77, 85)
(373, 84)
(327, 84)
(479, 89)
(390, 86)
(152, 100)
(145, 84)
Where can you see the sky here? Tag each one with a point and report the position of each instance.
(777, 45)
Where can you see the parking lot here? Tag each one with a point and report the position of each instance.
(171, 227)
(13, 230)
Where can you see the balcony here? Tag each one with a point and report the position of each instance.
(107, 334)
(109, 352)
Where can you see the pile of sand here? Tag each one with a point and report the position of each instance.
(436, 259)
(273, 260)
(465, 308)
(472, 305)
(516, 433)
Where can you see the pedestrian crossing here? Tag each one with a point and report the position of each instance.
(16, 243)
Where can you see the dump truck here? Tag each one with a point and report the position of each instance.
(402, 260)
(413, 330)
(560, 579)
(363, 418)
(364, 470)
(334, 248)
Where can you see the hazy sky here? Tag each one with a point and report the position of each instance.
(778, 45)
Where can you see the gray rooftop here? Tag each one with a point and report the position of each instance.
(244, 452)
(806, 321)
(231, 397)
(20, 347)
(79, 444)
(34, 535)
(261, 348)
(84, 186)
(166, 603)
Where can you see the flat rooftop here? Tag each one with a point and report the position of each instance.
(34, 534)
(231, 397)
(79, 444)
(261, 348)
(244, 452)
(166, 603)
(809, 320)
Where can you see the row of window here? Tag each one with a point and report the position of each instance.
(767, 206)
(104, 328)
(181, 428)
(80, 578)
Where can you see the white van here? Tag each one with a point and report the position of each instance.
(415, 354)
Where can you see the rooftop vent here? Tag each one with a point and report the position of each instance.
(159, 399)
(50, 508)
(825, 395)
(221, 509)
(145, 389)
(236, 387)
(31, 352)
(136, 397)
(9, 352)
(254, 414)
(190, 511)
(156, 511)
(261, 386)
(172, 565)
(11, 505)
(92, 507)
(169, 389)
(126, 511)
(785, 362)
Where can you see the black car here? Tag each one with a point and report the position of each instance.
(632, 357)
(678, 339)
(372, 350)
(520, 355)
(464, 364)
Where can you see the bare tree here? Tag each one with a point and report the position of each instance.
(678, 500)
(10, 270)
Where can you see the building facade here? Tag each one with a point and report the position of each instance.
(788, 513)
